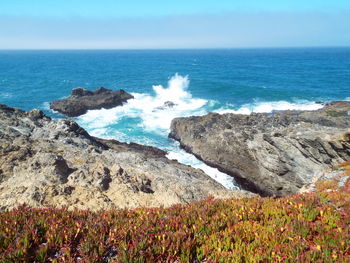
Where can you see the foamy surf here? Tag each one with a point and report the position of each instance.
(154, 112)
(146, 120)
(267, 107)
(189, 159)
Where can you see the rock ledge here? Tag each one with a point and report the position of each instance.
(271, 154)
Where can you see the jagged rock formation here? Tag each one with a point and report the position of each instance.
(271, 154)
(46, 163)
(82, 100)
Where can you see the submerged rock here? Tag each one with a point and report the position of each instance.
(165, 106)
(271, 154)
(82, 100)
(47, 163)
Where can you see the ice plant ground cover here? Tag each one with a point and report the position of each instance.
(313, 227)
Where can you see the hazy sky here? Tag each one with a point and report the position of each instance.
(56, 24)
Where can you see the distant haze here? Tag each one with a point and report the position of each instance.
(108, 24)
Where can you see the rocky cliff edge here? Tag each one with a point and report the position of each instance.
(271, 154)
(55, 163)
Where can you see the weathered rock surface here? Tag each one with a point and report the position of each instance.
(82, 100)
(46, 163)
(271, 154)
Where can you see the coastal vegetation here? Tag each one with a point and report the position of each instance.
(310, 227)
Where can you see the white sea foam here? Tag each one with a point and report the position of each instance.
(154, 114)
(189, 159)
(260, 107)
(157, 116)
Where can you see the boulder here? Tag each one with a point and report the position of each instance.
(82, 100)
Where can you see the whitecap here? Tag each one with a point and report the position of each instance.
(6, 95)
(270, 106)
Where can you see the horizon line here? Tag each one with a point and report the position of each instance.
(165, 49)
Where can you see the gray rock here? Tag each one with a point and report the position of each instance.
(47, 163)
(165, 106)
(82, 100)
(271, 154)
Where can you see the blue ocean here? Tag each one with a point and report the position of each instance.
(196, 81)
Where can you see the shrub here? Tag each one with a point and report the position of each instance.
(311, 227)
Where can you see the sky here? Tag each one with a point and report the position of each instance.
(153, 24)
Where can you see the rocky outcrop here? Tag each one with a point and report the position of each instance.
(83, 100)
(47, 163)
(165, 106)
(271, 154)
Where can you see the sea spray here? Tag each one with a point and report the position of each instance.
(151, 111)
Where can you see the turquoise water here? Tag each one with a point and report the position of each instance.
(197, 81)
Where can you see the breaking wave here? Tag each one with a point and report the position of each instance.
(154, 112)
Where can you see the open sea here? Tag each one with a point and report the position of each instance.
(197, 81)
